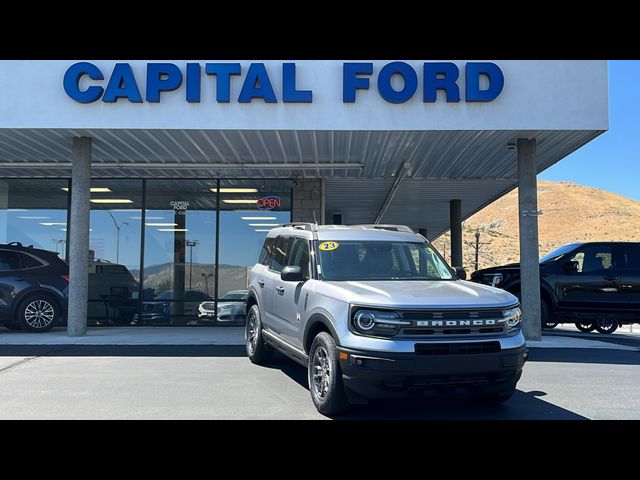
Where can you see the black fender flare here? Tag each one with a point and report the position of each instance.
(311, 325)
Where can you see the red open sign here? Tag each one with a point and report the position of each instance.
(268, 203)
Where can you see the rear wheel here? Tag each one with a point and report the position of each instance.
(38, 313)
(545, 315)
(606, 325)
(325, 376)
(585, 327)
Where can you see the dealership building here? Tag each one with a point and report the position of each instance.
(158, 180)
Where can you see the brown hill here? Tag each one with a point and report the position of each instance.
(571, 213)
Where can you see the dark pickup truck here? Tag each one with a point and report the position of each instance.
(595, 285)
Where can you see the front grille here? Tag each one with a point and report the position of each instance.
(456, 348)
(452, 322)
(450, 314)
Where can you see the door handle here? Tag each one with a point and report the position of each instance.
(280, 290)
(261, 283)
(611, 279)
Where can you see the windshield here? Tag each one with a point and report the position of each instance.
(558, 252)
(381, 260)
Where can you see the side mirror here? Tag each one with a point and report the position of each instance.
(570, 267)
(461, 273)
(292, 274)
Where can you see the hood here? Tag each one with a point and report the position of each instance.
(418, 294)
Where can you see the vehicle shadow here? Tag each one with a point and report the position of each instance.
(585, 355)
(122, 351)
(522, 406)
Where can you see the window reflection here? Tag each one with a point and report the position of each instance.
(114, 251)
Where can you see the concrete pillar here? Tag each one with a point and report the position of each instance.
(323, 208)
(529, 255)
(455, 223)
(79, 237)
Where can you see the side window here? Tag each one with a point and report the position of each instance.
(8, 261)
(279, 253)
(265, 255)
(631, 256)
(27, 261)
(299, 255)
(592, 259)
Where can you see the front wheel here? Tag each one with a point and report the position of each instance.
(325, 376)
(257, 349)
(38, 313)
(585, 327)
(606, 325)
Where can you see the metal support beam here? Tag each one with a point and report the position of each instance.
(79, 237)
(529, 254)
(455, 224)
(404, 171)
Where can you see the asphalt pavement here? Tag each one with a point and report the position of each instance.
(218, 382)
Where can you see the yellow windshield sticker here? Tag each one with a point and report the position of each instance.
(329, 246)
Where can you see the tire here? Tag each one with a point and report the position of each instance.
(11, 325)
(545, 315)
(38, 313)
(605, 325)
(325, 376)
(585, 327)
(257, 350)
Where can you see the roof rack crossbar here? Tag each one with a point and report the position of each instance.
(312, 227)
(396, 228)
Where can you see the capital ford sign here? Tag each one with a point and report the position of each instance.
(395, 82)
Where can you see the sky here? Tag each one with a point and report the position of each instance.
(611, 161)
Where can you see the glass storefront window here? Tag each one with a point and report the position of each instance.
(181, 283)
(34, 212)
(179, 255)
(248, 210)
(114, 251)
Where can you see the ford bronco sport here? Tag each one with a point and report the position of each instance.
(375, 312)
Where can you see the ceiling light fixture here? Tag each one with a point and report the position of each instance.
(161, 224)
(52, 224)
(173, 229)
(259, 218)
(235, 190)
(93, 189)
(264, 224)
(111, 200)
(237, 200)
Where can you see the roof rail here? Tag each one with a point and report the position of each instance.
(19, 245)
(393, 228)
(312, 227)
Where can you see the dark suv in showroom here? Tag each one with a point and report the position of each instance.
(595, 285)
(34, 287)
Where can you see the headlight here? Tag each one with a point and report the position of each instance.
(378, 322)
(512, 318)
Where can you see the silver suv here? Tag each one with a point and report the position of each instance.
(375, 312)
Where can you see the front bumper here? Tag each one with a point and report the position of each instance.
(377, 375)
